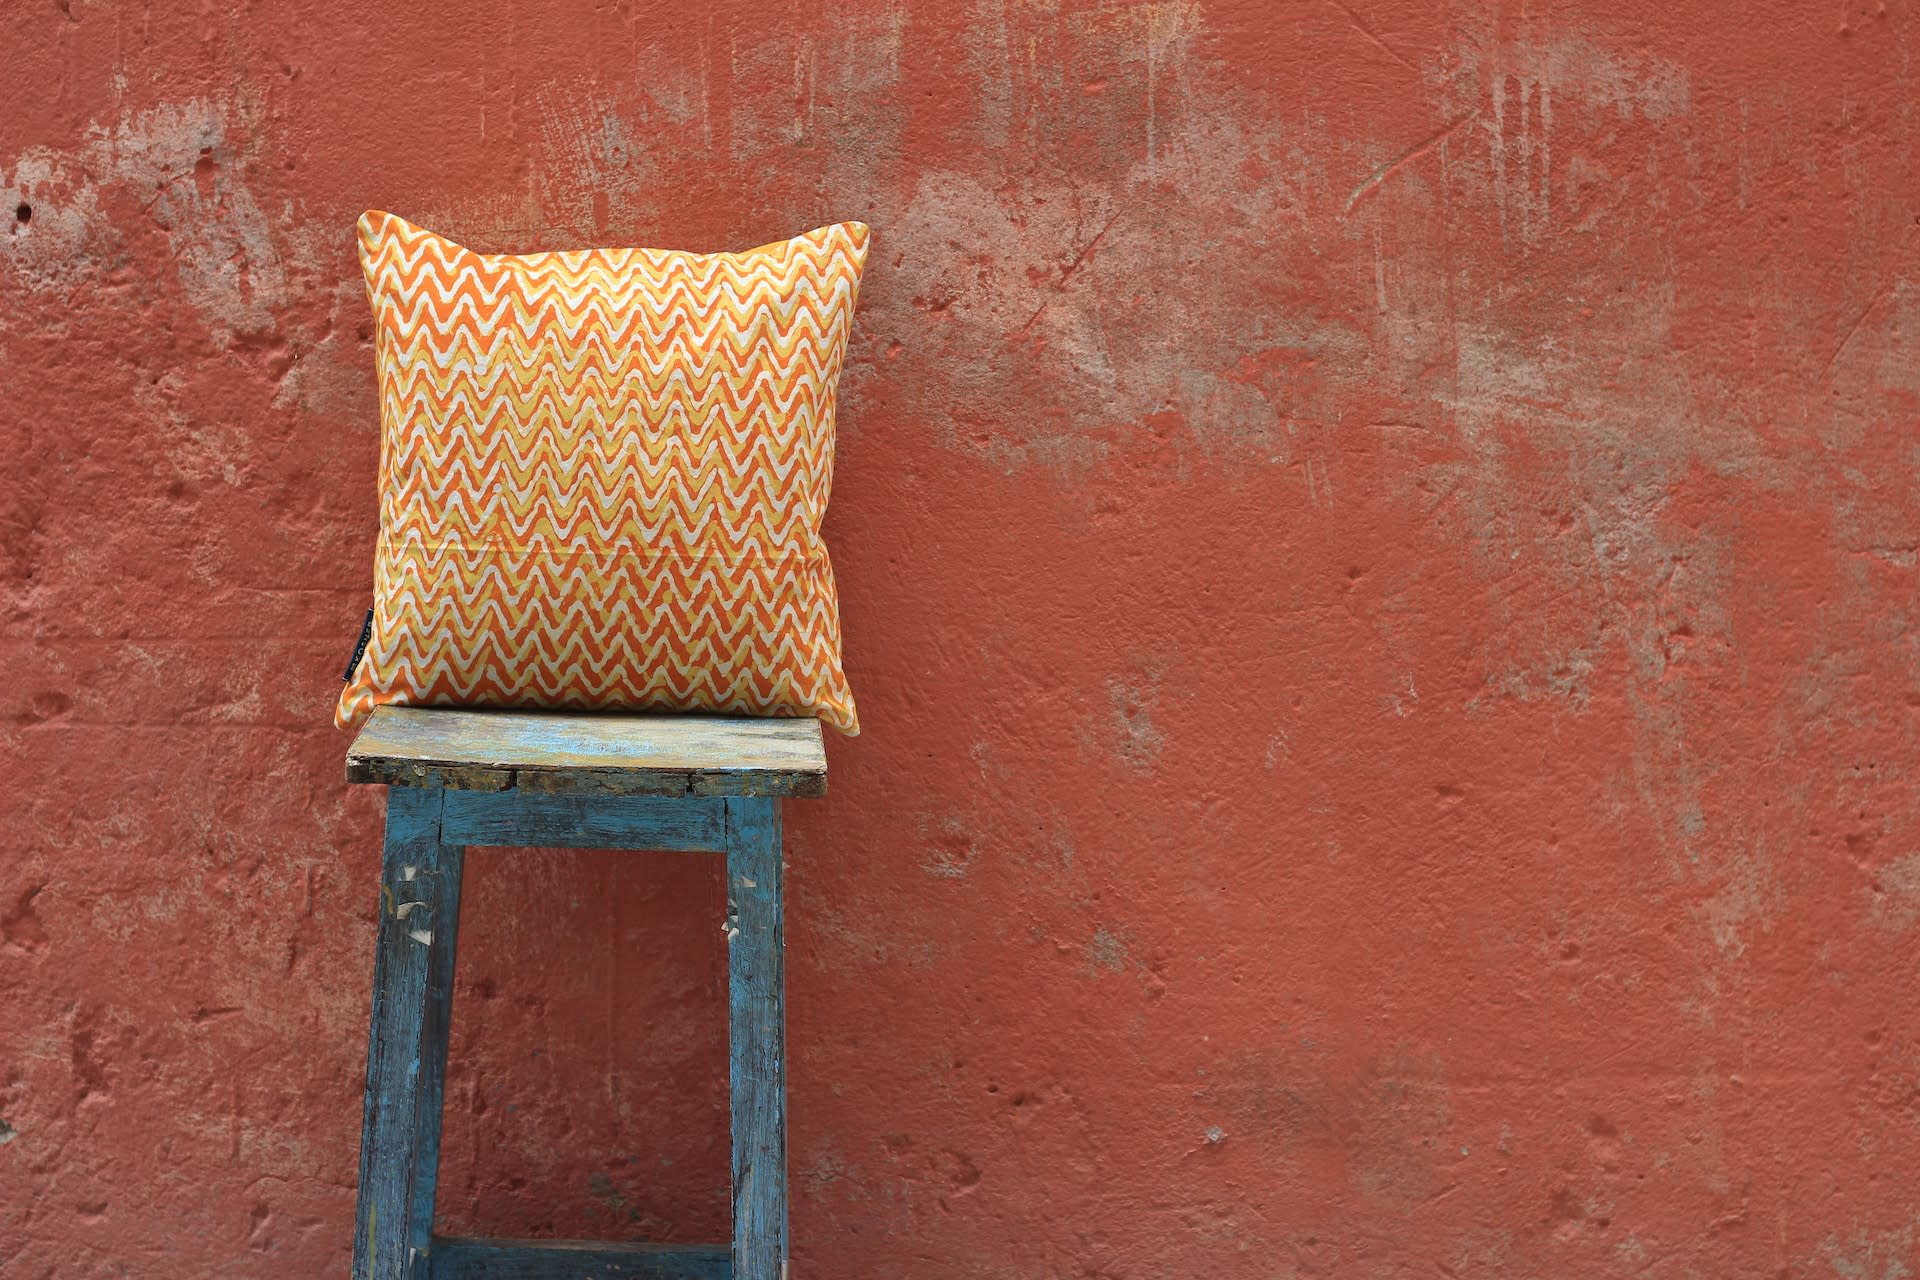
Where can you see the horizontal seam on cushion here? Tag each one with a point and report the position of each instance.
(655, 553)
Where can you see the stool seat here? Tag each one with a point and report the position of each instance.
(590, 754)
(699, 784)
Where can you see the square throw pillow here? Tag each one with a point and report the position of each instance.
(602, 476)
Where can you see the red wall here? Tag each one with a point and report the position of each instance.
(1378, 550)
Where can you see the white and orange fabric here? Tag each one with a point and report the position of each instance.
(602, 476)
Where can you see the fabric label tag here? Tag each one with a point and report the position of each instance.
(360, 649)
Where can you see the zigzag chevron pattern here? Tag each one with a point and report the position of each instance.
(602, 476)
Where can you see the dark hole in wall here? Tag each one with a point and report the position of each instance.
(24, 213)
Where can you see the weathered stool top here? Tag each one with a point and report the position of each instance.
(589, 754)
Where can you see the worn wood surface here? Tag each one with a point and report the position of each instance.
(756, 1006)
(582, 754)
(407, 1037)
(539, 819)
(459, 1259)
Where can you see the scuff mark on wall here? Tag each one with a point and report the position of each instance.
(170, 164)
(1106, 950)
(596, 167)
(1895, 893)
(1871, 1255)
(1131, 700)
(1523, 79)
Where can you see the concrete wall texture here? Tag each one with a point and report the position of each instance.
(1378, 551)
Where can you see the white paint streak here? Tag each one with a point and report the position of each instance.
(1524, 81)
(1630, 84)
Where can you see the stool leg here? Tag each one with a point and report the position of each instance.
(407, 1039)
(757, 1020)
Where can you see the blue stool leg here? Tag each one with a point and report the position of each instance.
(757, 1019)
(407, 1039)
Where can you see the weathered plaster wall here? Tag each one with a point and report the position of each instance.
(1378, 544)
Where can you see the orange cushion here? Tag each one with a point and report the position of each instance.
(602, 476)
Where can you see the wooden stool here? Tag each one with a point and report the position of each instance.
(625, 782)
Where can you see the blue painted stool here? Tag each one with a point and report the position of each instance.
(457, 778)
